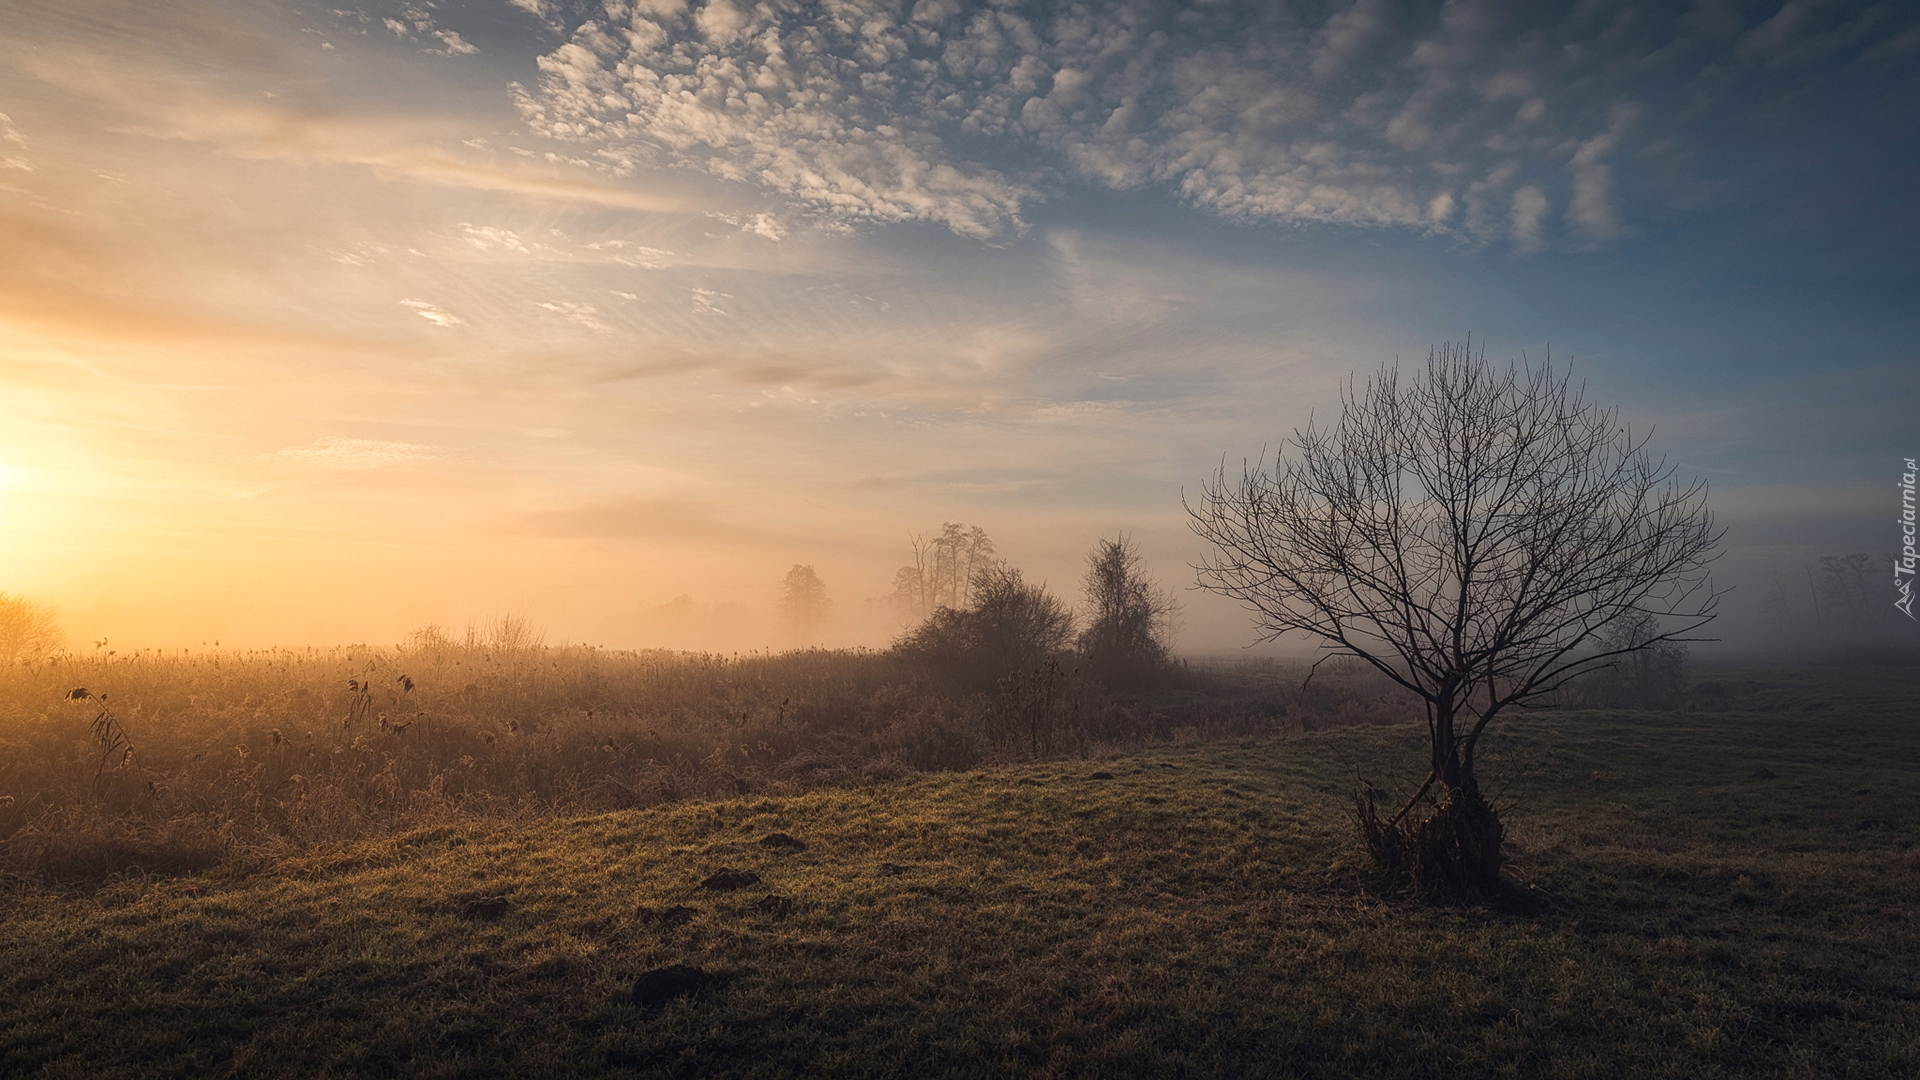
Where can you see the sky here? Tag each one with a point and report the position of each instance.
(324, 323)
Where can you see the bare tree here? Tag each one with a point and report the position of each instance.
(803, 602)
(1469, 533)
(28, 630)
(1130, 618)
(943, 571)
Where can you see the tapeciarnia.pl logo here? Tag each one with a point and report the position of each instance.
(1904, 564)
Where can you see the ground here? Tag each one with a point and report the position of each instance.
(1696, 894)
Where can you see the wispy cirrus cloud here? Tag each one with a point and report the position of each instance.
(11, 134)
(153, 95)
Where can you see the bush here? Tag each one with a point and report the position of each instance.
(1012, 626)
(1125, 642)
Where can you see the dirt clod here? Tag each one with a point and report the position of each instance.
(655, 988)
(727, 879)
(778, 907)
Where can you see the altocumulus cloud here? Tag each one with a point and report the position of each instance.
(1484, 120)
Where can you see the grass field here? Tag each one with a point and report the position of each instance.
(154, 762)
(1711, 893)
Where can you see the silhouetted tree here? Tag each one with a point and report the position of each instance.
(28, 630)
(1129, 617)
(803, 602)
(1470, 533)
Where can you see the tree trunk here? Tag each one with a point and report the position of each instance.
(1454, 853)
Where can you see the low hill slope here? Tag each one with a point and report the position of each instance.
(1718, 894)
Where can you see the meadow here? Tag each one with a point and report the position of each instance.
(152, 762)
(1164, 887)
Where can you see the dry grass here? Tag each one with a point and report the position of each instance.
(173, 762)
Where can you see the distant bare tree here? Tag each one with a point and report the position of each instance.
(1129, 617)
(1646, 673)
(943, 571)
(1843, 588)
(1470, 533)
(803, 602)
(28, 630)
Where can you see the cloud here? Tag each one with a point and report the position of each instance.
(11, 134)
(1591, 210)
(1529, 210)
(261, 132)
(489, 238)
(431, 313)
(961, 113)
(808, 107)
(585, 314)
(171, 104)
(344, 455)
(416, 24)
(765, 225)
